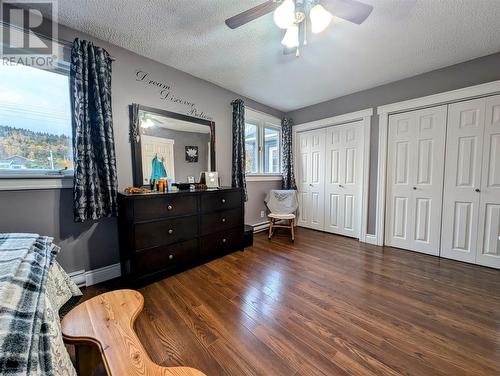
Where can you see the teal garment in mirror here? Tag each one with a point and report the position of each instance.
(157, 169)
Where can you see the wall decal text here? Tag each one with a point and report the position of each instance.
(166, 93)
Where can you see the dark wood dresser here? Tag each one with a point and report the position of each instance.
(161, 233)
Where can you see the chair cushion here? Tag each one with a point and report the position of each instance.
(281, 216)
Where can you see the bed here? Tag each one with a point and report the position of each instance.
(33, 288)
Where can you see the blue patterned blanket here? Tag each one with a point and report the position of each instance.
(25, 260)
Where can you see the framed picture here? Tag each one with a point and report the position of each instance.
(210, 178)
(192, 154)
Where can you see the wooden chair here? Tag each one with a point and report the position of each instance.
(290, 218)
(102, 329)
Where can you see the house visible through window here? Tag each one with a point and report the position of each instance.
(35, 121)
(262, 143)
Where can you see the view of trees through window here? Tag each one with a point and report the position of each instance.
(251, 148)
(262, 146)
(35, 120)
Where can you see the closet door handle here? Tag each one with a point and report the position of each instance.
(310, 185)
(477, 190)
(414, 188)
(341, 186)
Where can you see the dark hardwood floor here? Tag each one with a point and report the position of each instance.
(326, 305)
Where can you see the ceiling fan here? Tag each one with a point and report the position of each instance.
(292, 16)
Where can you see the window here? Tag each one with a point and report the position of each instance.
(251, 148)
(35, 122)
(271, 151)
(262, 143)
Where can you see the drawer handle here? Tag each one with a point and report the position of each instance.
(224, 240)
(223, 200)
(170, 232)
(223, 219)
(170, 257)
(170, 207)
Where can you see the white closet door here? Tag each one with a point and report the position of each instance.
(160, 147)
(415, 166)
(311, 178)
(488, 245)
(344, 172)
(399, 182)
(464, 150)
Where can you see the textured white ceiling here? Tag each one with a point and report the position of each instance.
(400, 39)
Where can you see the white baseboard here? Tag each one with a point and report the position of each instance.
(93, 277)
(370, 239)
(78, 277)
(258, 227)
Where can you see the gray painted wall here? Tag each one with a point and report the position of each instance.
(473, 72)
(93, 245)
(49, 212)
(257, 191)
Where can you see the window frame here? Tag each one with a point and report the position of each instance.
(263, 121)
(42, 179)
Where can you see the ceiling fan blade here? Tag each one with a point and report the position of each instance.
(252, 14)
(350, 10)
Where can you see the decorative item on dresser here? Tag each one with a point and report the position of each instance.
(161, 233)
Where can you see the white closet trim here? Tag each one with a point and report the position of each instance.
(383, 112)
(365, 116)
(469, 92)
(334, 120)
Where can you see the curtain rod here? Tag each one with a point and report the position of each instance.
(69, 44)
(58, 40)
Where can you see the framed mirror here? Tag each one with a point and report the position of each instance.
(178, 146)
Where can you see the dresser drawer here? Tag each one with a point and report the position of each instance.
(163, 207)
(156, 233)
(220, 200)
(157, 259)
(221, 242)
(223, 220)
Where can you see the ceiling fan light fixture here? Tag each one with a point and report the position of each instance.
(291, 38)
(284, 15)
(320, 18)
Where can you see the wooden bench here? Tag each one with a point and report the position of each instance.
(102, 329)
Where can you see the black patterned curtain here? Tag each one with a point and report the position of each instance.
(238, 171)
(95, 185)
(134, 132)
(288, 181)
